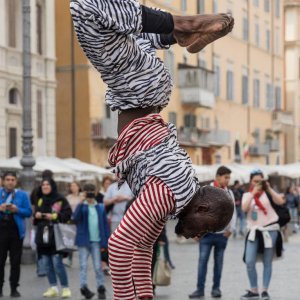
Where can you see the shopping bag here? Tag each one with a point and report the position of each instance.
(162, 272)
(32, 239)
(64, 235)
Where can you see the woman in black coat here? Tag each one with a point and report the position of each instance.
(51, 208)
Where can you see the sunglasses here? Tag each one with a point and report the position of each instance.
(256, 172)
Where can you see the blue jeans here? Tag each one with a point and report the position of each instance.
(54, 267)
(84, 252)
(250, 259)
(219, 242)
(241, 217)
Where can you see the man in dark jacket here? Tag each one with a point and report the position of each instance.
(14, 208)
(92, 235)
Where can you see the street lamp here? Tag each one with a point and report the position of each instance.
(27, 161)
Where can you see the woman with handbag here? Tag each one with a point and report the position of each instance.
(51, 208)
(263, 237)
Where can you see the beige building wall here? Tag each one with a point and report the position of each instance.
(213, 136)
(292, 71)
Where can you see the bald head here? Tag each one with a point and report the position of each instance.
(210, 210)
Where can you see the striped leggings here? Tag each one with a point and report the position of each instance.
(110, 34)
(130, 246)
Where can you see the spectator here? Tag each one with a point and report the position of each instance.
(14, 208)
(238, 194)
(73, 196)
(40, 268)
(74, 199)
(292, 204)
(107, 181)
(92, 234)
(218, 241)
(50, 208)
(263, 232)
(115, 202)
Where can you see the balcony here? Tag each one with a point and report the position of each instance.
(218, 138)
(192, 137)
(105, 129)
(203, 138)
(273, 145)
(259, 150)
(282, 119)
(196, 86)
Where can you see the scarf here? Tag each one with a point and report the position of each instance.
(215, 184)
(257, 200)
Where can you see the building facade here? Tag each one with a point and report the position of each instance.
(228, 101)
(43, 77)
(292, 75)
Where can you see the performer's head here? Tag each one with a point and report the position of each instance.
(210, 210)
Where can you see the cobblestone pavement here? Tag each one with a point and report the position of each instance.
(284, 285)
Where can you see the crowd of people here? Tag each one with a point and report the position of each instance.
(97, 213)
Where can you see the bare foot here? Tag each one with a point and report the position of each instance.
(187, 30)
(203, 40)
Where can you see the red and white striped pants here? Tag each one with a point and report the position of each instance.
(130, 246)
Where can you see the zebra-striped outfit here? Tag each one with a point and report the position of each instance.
(147, 153)
(109, 32)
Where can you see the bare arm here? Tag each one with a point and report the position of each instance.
(246, 201)
(277, 198)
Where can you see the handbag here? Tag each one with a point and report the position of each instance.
(44, 235)
(64, 235)
(282, 211)
(162, 272)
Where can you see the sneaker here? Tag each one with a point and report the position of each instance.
(101, 292)
(15, 294)
(87, 293)
(52, 292)
(216, 293)
(250, 295)
(66, 293)
(196, 295)
(265, 296)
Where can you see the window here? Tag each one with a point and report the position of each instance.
(215, 6)
(256, 3)
(230, 83)
(256, 93)
(13, 96)
(267, 5)
(201, 7)
(173, 118)
(257, 34)
(190, 121)
(39, 29)
(268, 40)
(169, 61)
(12, 135)
(12, 19)
(39, 111)
(107, 112)
(245, 29)
(245, 87)
(269, 97)
(277, 41)
(216, 77)
(277, 98)
(183, 5)
(277, 8)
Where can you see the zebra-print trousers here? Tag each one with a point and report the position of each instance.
(110, 34)
(130, 246)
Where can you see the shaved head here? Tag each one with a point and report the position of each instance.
(210, 210)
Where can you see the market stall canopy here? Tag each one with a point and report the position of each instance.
(65, 170)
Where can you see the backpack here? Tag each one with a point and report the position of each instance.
(281, 210)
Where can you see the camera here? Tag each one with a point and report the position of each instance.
(263, 185)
